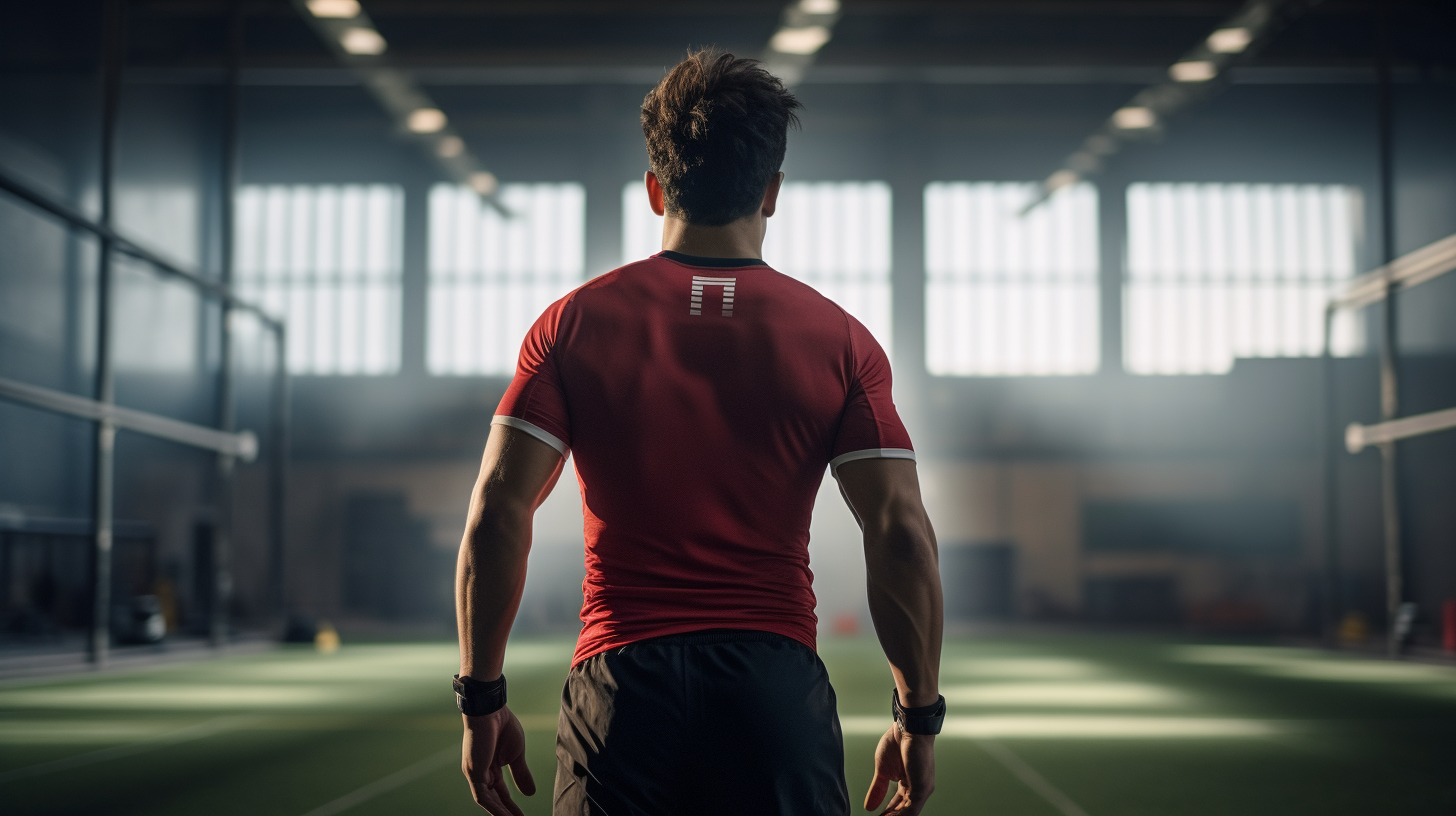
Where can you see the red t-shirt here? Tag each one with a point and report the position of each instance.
(703, 398)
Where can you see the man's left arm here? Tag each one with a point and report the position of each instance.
(517, 472)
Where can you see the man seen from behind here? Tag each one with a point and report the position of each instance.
(703, 395)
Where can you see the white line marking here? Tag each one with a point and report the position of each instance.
(1033, 780)
(205, 729)
(397, 779)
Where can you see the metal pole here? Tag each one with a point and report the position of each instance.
(103, 468)
(907, 247)
(278, 474)
(226, 413)
(1389, 371)
(1328, 439)
(1112, 266)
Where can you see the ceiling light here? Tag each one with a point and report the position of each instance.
(1229, 40)
(819, 6)
(1193, 71)
(336, 9)
(362, 41)
(450, 147)
(1060, 179)
(804, 40)
(483, 182)
(426, 120)
(1133, 118)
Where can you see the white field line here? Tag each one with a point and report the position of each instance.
(205, 729)
(1033, 780)
(381, 786)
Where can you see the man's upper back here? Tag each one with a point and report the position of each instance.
(703, 399)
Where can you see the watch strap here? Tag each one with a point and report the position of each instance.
(475, 698)
(925, 720)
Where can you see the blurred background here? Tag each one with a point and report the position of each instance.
(1097, 238)
(1162, 281)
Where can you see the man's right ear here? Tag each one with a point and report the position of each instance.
(771, 195)
(654, 194)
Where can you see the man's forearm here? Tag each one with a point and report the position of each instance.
(905, 603)
(488, 584)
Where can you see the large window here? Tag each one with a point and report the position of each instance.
(327, 259)
(491, 275)
(1219, 271)
(834, 236)
(1008, 294)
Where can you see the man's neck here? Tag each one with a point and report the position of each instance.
(739, 239)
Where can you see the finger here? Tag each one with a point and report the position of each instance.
(486, 798)
(914, 806)
(504, 795)
(896, 802)
(876, 794)
(491, 804)
(521, 775)
(478, 783)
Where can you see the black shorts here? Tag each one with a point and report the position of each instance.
(722, 722)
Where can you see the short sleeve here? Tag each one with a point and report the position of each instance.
(535, 402)
(869, 428)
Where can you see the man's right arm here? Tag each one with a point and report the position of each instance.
(903, 579)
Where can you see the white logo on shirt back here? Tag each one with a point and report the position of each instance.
(695, 306)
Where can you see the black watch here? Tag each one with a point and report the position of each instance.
(925, 720)
(476, 699)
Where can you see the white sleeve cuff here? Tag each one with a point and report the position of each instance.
(533, 430)
(871, 453)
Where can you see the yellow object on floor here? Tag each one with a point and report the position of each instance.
(1354, 629)
(327, 639)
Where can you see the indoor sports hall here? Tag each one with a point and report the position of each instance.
(1168, 288)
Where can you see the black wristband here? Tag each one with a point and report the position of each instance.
(925, 720)
(476, 699)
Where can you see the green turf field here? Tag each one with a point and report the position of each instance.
(1096, 724)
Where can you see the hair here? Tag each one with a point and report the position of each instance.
(717, 128)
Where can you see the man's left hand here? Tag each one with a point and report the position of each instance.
(909, 761)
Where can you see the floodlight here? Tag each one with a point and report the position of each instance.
(450, 147)
(819, 6)
(483, 182)
(426, 120)
(1134, 118)
(362, 41)
(805, 40)
(1229, 40)
(1193, 71)
(335, 9)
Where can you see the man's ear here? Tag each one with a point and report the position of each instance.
(771, 195)
(654, 194)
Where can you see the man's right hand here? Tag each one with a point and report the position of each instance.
(907, 759)
(493, 742)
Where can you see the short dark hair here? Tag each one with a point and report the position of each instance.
(717, 128)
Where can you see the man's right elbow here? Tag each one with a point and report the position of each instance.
(497, 529)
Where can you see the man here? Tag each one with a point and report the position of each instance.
(703, 394)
